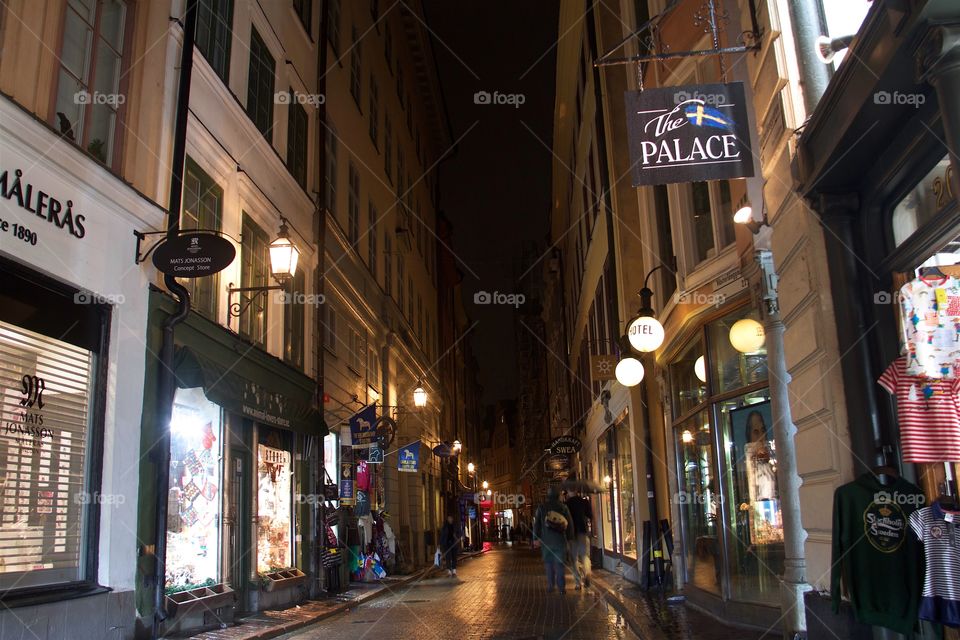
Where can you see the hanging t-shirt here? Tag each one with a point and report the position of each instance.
(928, 411)
(939, 530)
(930, 320)
(874, 556)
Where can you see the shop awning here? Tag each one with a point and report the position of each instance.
(242, 386)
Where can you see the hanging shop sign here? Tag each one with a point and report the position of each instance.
(689, 134)
(363, 431)
(603, 368)
(443, 450)
(565, 445)
(375, 455)
(194, 255)
(347, 485)
(409, 460)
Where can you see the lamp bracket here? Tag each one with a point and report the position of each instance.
(236, 309)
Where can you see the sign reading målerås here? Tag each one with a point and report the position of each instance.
(689, 134)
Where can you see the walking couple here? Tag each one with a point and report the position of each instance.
(558, 526)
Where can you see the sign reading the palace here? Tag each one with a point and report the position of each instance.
(194, 255)
(688, 134)
(565, 445)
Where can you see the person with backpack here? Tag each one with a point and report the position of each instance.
(552, 531)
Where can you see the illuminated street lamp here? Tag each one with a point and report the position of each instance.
(284, 255)
(419, 396)
(471, 467)
(457, 446)
(485, 484)
(629, 372)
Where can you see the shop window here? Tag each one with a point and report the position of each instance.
(294, 320)
(254, 272)
(89, 101)
(606, 463)
(214, 33)
(274, 497)
(260, 85)
(45, 458)
(625, 491)
(304, 11)
(333, 25)
(688, 389)
(929, 198)
(699, 503)
(202, 209)
(193, 516)
(297, 142)
(755, 525)
(330, 169)
(729, 368)
(727, 466)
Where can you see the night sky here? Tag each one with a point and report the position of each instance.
(496, 189)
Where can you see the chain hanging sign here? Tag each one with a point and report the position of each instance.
(689, 134)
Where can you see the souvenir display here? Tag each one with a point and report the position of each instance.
(274, 523)
(930, 322)
(876, 562)
(939, 530)
(928, 412)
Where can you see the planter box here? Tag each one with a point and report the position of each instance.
(282, 579)
(205, 598)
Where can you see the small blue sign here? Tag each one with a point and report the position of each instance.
(409, 459)
(362, 431)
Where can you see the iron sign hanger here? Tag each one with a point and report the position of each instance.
(706, 16)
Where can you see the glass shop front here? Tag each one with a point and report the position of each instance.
(731, 532)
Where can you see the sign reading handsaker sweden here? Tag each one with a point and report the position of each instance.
(688, 134)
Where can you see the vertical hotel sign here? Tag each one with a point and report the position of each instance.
(689, 134)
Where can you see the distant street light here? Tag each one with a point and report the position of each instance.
(471, 467)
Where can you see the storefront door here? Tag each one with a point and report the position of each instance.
(239, 536)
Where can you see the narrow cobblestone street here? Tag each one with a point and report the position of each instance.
(500, 595)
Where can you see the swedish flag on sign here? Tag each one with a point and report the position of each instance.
(701, 115)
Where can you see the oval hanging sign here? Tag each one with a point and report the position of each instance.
(194, 255)
(565, 445)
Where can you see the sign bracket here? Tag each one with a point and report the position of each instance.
(707, 15)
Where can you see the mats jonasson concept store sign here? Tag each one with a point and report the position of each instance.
(689, 134)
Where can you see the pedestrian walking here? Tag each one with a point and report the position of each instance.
(552, 531)
(581, 512)
(450, 545)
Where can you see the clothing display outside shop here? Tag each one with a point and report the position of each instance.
(875, 560)
(928, 412)
(930, 322)
(939, 530)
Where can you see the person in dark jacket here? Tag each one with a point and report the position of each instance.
(450, 545)
(581, 510)
(552, 531)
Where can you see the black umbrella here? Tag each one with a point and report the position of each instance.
(583, 486)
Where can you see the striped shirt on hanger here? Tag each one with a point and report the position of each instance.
(939, 530)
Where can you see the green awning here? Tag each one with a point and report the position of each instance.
(239, 376)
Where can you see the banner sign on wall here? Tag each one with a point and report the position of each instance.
(689, 134)
(362, 431)
(409, 459)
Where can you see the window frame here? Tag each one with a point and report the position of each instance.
(333, 25)
(356, 67)
(254, 106)
(294, 321)
(219, 28)
(330, 168)
(208, 185)
(254, 241)
(353, 206)
(304, 11)
(372, 220)
(119, 130)
(373, 122)
(297, 146)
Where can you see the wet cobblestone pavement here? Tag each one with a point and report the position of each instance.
(499, 596)
(502, 596)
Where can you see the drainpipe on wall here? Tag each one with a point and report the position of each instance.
(320, 236)
(166, 381)
(794, 584)
(808, 25)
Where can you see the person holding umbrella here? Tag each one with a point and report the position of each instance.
(552, 531)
